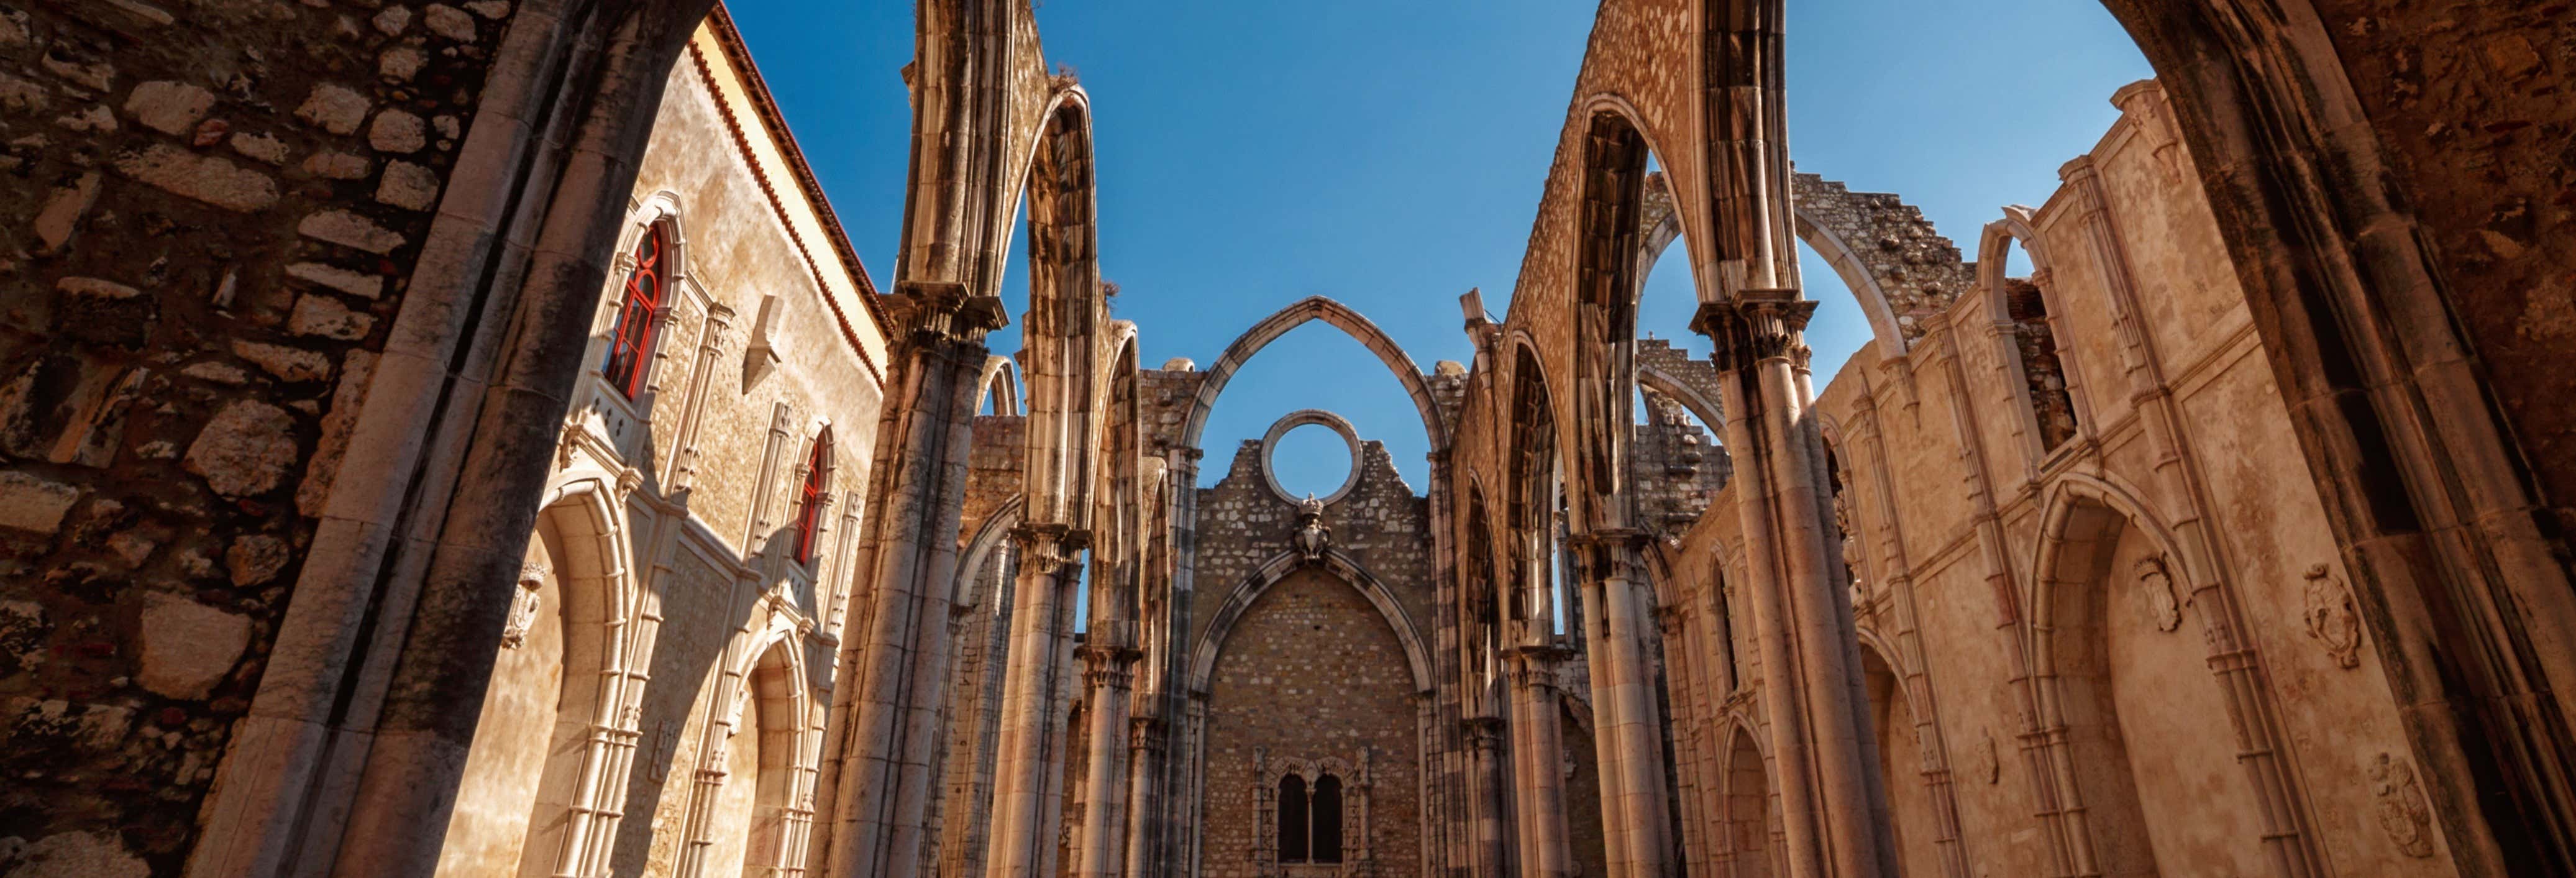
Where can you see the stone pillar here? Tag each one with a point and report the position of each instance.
(1819, 735)
(1107, 670)
(1144, 765)
(1538, 754)
(1627, 720)
(1489, 813)
(1049, 561)
(897, 669)
(1174, 833)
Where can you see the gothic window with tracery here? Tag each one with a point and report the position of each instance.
(1326, 813)
(1294, 828)
(809, 501)
(1310, 819)
(639, 312)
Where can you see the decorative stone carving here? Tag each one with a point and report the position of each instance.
(2156, 593)
(523, 605)
(1986, 763)
(2403, 812)
(1851, 547)
(2330, 616)
(1313, 537)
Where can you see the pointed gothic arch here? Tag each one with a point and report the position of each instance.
(1338, 316)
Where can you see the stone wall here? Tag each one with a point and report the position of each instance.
(2088, 493)
(753, 371)
(1311, 673)
(211, 213)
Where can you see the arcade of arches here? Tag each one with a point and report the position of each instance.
(461, 441)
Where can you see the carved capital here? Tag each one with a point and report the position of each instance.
(1053, 549)
(1757, 325)
(926, 311)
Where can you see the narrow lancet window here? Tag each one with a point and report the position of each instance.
(639, 312)
(809, 502)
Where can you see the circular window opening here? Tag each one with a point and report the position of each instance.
(1311, 459)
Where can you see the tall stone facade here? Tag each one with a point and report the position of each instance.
(459, 440)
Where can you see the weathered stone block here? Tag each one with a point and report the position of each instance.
(245, 450)
(365, 286)
(255, 559)
(211, 179)
(392, 20)
(324, 316)
(33, 504)
(401, 63)
(349, 230)
(408, 186)
(335, 109)
(61, 215)
(260, 147)
(288, 364)
(188, 647)
(397, 131)
(169, 107)
(449, 21)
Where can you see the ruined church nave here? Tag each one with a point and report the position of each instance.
(463, 441)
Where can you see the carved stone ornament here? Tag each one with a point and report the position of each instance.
(2156, 593)
(1988, 765)
(661, 747)
(1851, 546)
(2403, 812)
(1313, 537)
(523, 605)
(2330, 616)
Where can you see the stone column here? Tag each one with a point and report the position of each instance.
(1538, 753)
(1488, 810)
(1049, 561)
(1627, 720)
(1819, 736)
(1174, 833)
(1144, 765)
(897, 669)
(1107, 670)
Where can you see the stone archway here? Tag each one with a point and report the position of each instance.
(1312, 663)
(535, 784)
(1338, 316)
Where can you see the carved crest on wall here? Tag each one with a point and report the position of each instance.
(1312, 537)
(524, 601)
(2403, 812)
(2330, 616)
(2156, 593)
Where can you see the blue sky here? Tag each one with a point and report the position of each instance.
(1390, 154)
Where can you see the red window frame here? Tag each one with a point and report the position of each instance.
(809, 514)
(639, 313)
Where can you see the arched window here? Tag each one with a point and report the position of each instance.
(630, 342)
(1327, 817)
(809, 499)
(2051, 405)
(1293, 825)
